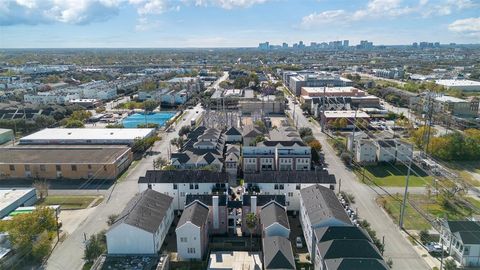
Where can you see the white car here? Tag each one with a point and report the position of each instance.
(433, 247)
(298, 242)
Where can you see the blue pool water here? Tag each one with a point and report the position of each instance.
(139, 118)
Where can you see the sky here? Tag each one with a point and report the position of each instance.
(232, 23)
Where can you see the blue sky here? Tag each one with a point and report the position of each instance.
(233, 23)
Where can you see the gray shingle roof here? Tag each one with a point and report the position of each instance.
(272, 213)
(319, 177)
(322, 204)
(206, 199)
(357, 264)
(233, 131)
(324, 234)
(184, 176)
(335, 249)
(145, 211)
(277, 253)
(196, 213)
(264, 199)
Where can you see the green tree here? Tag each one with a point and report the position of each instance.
(305, 131)
(424, 236)
(159, 163)
(80, 115)
(111, 219)
(450, 264)
(96, 246)
(315, 145)
(184, 131)
(74, 124)
(43, 121)
(149, 105)
(251, 222)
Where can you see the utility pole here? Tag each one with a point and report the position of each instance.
(322, 117)
(353, 134)
(405, 195)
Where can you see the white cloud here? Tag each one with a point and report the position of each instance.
(325, 17)
(376, 9)
(469, 26)
(64, 11)
(145, 24)
(228, 4)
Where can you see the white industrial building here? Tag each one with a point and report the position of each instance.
(463, 85)
(142, 225)
(87, 136)
(11, 199)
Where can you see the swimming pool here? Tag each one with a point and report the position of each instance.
(132, 121)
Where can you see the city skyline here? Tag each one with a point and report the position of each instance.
(233, 23)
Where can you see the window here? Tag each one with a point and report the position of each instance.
(43, 168)
(466, 250)
(183, 239)
(12, 167)
(298, 187)
(74, 168)
(175, 186)
(290, 194)
(58, 168)
(191, 186)
(89, 166)
(191, 250)
(196, 186)
(27, 168)
(282, 187)
(182, 194)
(275, 187)
(287, 203)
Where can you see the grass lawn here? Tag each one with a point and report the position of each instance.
(465, 169)
(394, 175)
(71, 202)
(430, 206)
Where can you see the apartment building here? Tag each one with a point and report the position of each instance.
(142, 226)
(288, 183)
(64, 162)
(218, 211)
(254, 204)
(314, 79)
(180, 183)
(369, 151)
(456, 106)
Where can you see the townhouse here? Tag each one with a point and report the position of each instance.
(142, 226)
(288, 183)
(192, 232)
(462, 241)
(218, 211)
(180, 183)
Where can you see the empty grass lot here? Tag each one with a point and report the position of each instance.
(71, 202)
(394, 175)
(469, 171)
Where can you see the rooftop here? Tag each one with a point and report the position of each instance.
(336, 249)
(319, 177)
(9, 196)
(235, 260)
(145, 211)
(321, 204)
(183, 176)
(356, 263)
(195, 213)
(453, 82)
(449, 99)
(278, 253)
(330, 90)
(346, 114)
(274, 213)
(84, 134)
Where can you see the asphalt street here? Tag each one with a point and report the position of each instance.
(397, 247)
(69, 253)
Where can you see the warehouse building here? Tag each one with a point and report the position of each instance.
(11, 199)
(64, 162)
(87, 136)
(6, 135)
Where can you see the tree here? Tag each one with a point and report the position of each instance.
(450, 264)
(308, 139)
(43, 121)
(419, 135)
(149, 105)
(259, 138)
(96, 245)
(184, 131)
(315, 145)
(42, 188)
(111, 219)
(424, 236)
(305, 131)
(251, 222)
(74, 124)
(159, 163)
(261, 126)
(80, 115)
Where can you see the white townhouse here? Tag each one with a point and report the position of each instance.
(142, 226)
(288, 183)
(366, 151)
(462, 241)
(179, 183)
(192, 232)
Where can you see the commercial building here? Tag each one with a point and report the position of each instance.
(180, 183)
(88, 136)
(346, 91)
(314, 79)
(11, 199)
(142, 226)
(456, 106)
(394, 73)
(64, 162)
(463, 85)
(6, 135)
(192, 232)
(462, 241)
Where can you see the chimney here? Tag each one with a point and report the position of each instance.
(253, 204)
(215, 212)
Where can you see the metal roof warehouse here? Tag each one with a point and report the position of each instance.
(87, 136)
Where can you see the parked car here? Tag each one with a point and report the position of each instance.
(434, 247)
(298, 242)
